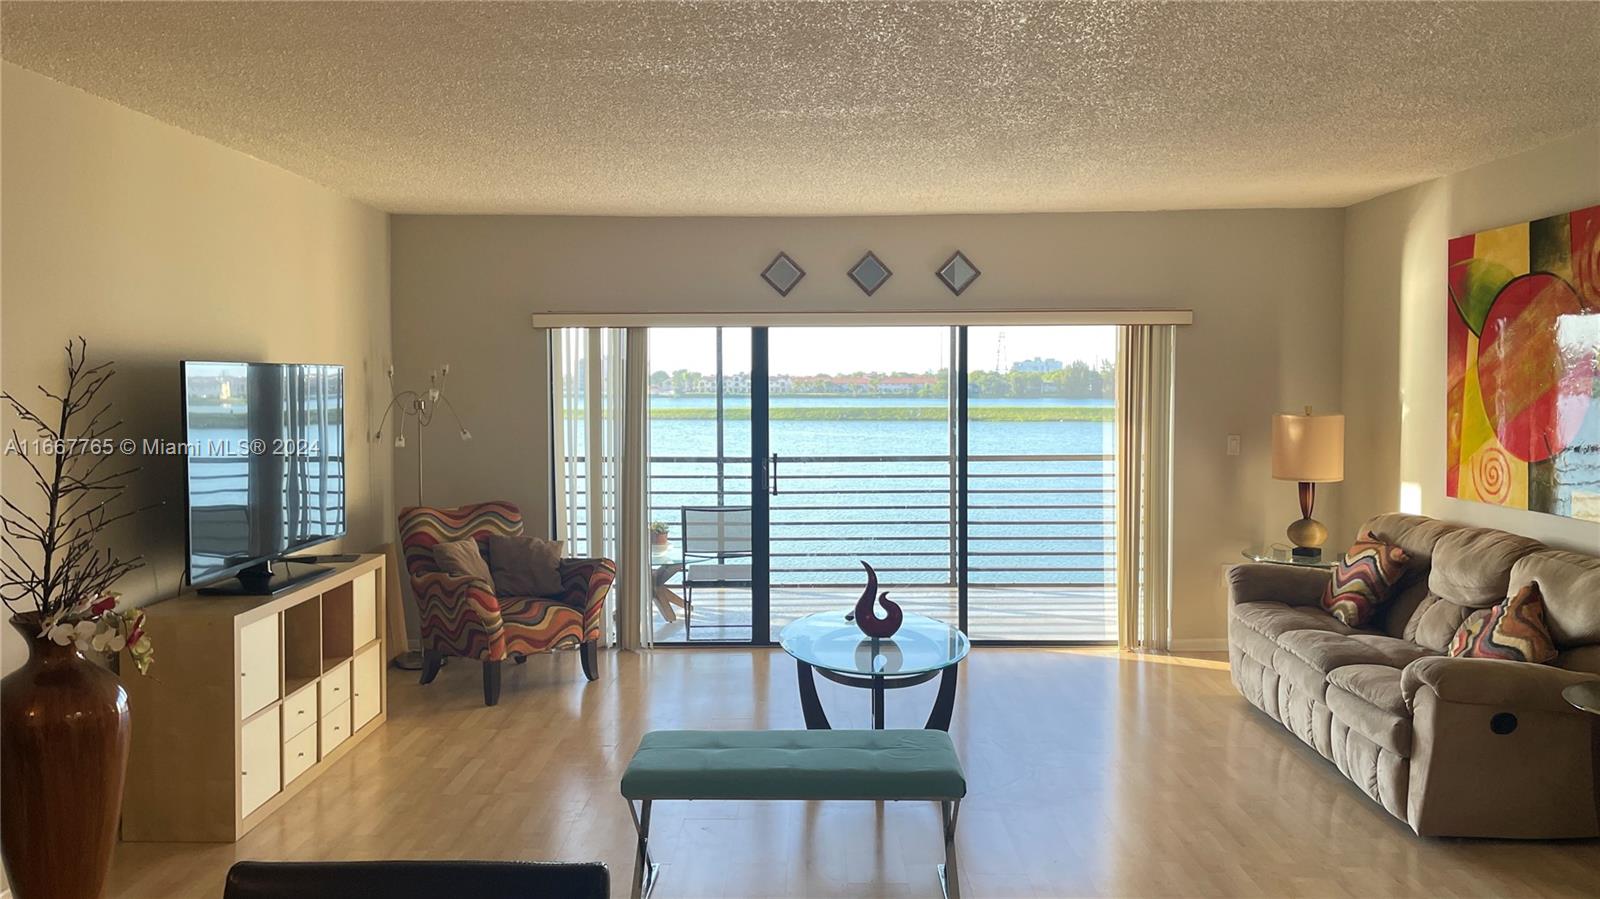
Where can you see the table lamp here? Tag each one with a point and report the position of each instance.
(1309, 449)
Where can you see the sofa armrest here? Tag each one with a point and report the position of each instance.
(1293, 585)
(1487, 727)
(1492, 682)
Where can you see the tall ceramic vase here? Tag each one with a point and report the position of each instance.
(63, 756)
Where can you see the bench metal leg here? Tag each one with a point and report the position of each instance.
(810, 703)
(949, 877)
(644, 870)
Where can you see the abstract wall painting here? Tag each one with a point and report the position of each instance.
(1524, 366)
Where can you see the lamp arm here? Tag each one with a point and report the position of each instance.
(445, 401)
(378, 434)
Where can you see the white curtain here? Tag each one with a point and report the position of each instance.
(1144, 478)
(600, 452)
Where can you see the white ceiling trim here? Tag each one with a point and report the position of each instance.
(901, 317)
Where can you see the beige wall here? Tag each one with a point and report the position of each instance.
(1264, 287)
(1394, 320)
(157, 245)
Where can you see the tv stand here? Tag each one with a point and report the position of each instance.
(257, 696)
(259, 580)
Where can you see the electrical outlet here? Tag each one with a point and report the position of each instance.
(1233, 444)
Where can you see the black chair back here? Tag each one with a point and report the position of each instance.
(417, 880)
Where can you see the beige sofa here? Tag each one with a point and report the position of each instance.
(1453, 747)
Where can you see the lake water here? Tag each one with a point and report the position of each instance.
(1035, 518)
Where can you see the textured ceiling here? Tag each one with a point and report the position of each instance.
(838, 108)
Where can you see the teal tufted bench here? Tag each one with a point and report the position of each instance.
(872, 765)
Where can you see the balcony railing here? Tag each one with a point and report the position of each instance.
(1033, 520)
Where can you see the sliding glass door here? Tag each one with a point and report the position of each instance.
(860, 468)
(702, 517)
(972, 467)
(1041, 483)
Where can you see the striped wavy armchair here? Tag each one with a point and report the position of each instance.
(462, 616)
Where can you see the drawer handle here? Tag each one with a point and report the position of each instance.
(299, 755)
(300, 712)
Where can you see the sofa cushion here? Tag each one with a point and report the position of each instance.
(1472, 566)
(1435, 623)
(1514, 630)
(1305, 657)
(1570, 585)
(1417, 535)
(1378, 685)
(1249, 643)
(1367, 699)
(1363, 580)
(1584, 658)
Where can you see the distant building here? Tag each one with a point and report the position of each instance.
(1037, 364)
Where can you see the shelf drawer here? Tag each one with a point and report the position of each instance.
(335, 728)
(299, 754)
(364, 611)
(259, 762)
(367, 692)
(335, 685)
(258, 666)
(300, 711)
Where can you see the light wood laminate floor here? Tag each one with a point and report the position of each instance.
(1090, 774)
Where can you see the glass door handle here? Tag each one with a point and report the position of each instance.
(772, 475)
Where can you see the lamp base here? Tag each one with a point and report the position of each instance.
(1308, 535)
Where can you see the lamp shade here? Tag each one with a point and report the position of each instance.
(1308, 448)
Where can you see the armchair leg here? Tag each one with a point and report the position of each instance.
(491, 682)
(586, 655)
(431, 663)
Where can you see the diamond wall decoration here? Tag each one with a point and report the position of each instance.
(870, 273)
(782, 273)
(958, 273)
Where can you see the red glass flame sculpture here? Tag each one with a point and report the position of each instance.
(867, 618)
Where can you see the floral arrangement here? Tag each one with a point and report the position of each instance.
(95, 624)
(54, 575)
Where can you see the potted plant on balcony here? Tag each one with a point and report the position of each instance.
(64, 719)
(658, 535)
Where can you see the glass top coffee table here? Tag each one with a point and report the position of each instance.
(923, 648)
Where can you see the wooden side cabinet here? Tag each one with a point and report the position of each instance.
(249, 699)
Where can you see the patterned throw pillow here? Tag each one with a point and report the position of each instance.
(1364, 580)
(1512, 629)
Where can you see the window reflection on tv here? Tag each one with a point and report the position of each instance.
(265, 445)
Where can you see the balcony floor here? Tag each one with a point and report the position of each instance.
(994, 613)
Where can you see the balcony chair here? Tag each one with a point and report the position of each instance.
(462, 616)
(715, 538)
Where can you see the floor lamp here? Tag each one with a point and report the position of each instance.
(420, 407)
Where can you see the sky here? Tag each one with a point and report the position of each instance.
(810, 351)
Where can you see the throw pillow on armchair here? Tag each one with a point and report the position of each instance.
(525, 566)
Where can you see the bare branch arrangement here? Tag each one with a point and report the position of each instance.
(51, 562)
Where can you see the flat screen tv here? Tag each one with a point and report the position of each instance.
(265, 450)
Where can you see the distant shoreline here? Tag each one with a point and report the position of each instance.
(892, 413)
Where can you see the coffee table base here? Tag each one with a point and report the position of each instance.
(811, 705)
